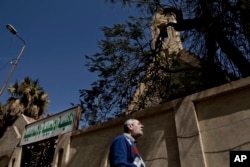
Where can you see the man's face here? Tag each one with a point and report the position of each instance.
(136, 129)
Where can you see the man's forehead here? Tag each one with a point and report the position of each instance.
(137, 121)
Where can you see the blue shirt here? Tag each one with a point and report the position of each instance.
(124, 153)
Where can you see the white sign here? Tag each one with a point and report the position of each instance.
(49, 127)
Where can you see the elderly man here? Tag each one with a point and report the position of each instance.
(123, 151)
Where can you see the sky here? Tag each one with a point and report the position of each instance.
(58, 34)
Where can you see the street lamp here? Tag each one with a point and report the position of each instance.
(14, 32)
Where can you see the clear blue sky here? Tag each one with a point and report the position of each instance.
(58, 35)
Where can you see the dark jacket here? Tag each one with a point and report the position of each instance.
(124, 153)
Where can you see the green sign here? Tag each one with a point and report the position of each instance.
(49, 127)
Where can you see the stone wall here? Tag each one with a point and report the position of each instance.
(198, 130)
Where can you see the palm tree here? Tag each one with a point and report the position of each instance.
(28, 98)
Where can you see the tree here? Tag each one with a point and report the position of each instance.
(244, 7)
(26, 98)
(114, 65)
(215, 32)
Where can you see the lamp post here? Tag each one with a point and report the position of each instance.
(14, 64)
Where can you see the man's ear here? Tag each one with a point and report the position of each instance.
(130, 127)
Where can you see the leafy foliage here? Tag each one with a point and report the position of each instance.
(214, 31)
(120, 66)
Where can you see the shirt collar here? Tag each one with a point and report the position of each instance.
(130, 137)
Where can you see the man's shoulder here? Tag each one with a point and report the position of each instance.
(123, 138)
(119, 140)
(120, 137)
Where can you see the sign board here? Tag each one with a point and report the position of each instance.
(55, 125)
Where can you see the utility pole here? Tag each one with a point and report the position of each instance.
(14, 64)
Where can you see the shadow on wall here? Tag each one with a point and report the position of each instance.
(4, 161)
(159, 145)
(222, 105)
(92, 148)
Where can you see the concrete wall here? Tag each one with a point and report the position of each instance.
(198, 130)
(9, 142)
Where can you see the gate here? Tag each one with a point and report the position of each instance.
(39, 154)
